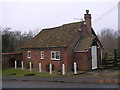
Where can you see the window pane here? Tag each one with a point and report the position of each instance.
(57, 55)
(53, 55)
(28, 54)
(42, 55)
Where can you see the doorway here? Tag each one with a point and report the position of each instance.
(94, 57)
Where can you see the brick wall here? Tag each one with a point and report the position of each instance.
(83, 60)
(36, 58)
(70, 52)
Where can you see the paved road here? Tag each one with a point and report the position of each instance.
(94, 80)
(42, 84)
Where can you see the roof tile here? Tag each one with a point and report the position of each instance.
(85, 43)
(54, 37)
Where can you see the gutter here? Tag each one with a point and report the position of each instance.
(44, 47)
(82, 51)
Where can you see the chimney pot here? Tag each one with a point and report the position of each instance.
(87, 11)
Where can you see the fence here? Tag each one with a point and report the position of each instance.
(112, 60)
(50, 67)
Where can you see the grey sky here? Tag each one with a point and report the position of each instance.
(27, 15)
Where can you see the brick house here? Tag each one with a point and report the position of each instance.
(73, 42)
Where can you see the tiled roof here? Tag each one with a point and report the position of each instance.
(54, 37)
(85, 43)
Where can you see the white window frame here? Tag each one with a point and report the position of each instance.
(28, 54)
(42, 54)
(55, 55)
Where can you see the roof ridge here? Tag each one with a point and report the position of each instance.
(62, 25)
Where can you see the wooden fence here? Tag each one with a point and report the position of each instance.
(112, 59)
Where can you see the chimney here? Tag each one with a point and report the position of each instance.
(87, 18)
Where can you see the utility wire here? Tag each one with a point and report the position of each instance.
(104, 15)
(101, 17)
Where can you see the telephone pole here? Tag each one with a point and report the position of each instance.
(119, 28)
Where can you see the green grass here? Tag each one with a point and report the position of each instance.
(18, 72)
(21, 73)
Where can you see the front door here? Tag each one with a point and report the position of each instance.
(94, 57)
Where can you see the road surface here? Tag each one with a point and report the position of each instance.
(42, 84)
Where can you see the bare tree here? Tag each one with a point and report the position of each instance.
(109, 39)
(13, 40)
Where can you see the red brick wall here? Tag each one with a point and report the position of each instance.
(36, 58)
(83, 60)
(88, 23)
(70, 52)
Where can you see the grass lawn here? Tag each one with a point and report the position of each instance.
(22, 73)
(18, 72)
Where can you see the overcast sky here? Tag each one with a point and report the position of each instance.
(28, 15)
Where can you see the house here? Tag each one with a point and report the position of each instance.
(69, 43)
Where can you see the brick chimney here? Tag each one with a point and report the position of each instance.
(87, 18)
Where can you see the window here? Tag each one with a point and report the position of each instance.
(42, 55)
(55, 55)
(29, 54)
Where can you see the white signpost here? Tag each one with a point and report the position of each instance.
(75, 68)
(63, 69)
(22, 65)
(15, 64)
(50, 68)
(40, 67)
(30, 66)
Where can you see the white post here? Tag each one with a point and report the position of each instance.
(15, 64)
(30, 66)
(101, 57)
(75, 68)
(22, 65)
(63, 69)
(50, 68)
(40, 67)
